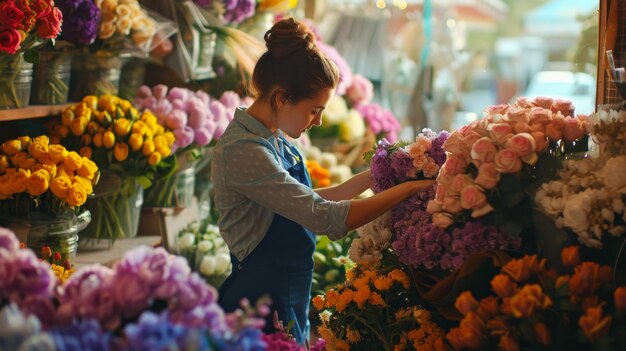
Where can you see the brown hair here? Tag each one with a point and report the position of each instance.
(292, 62)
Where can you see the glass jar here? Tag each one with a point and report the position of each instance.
(16, 80)
(94, 74)
(51, 78)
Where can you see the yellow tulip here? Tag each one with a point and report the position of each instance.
(88, 169)
(148, 148)
(164, 151)
(107, 103)
(120, 152)
(85, 151)
(12, 147)
(148, 117)
(84, 182)
(91, 101)
(86, 140)
(25, 140)
(132, 114)
(76, 195)
(72, 162)
(4, 163)
(38, 182)
(154, 159)
(170, 137)
(135, 141)
(125, 105)
(97, 140)
(78, 125)
(122, 127)
(67, 117)
(108, 139)
(160, 142)
(139, 127)
(60, 186)
(85, 113)
(92, 127)
(159, 130)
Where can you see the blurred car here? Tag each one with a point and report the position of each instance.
(578, 87)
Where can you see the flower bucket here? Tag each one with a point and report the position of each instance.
(175, 190)
(16, 80)
(115, 211)
(59, 234)
(51, 78)
(94, 74)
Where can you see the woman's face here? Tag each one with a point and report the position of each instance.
(295, 118)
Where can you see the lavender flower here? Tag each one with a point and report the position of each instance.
(280, 341)
(436, 151)
(84, 335)
(238, 10)
(401, 164)
(8, 240)
(382, 173)
(81, 19)
(154, 332)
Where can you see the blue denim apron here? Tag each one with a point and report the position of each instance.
(281, 266)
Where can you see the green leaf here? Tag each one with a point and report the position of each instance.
(144, 181)
(31, 56)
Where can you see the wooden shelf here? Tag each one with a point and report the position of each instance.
(32, 112)
(108, 255)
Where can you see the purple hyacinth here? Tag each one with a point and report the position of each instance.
(401, 164)
(83, 335)
(81, 19)
(238, 10)
(382, 173)
(157, 332)
(436, 152)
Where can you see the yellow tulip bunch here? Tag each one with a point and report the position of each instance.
(118, 137)
(36, 167)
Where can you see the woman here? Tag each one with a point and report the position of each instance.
(268, 211)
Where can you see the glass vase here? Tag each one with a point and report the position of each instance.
(115, 210)
(51, 78)
(175, 190)
(16, 80)
(131, 77)
(94, 74)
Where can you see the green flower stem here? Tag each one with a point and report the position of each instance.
(376, 332)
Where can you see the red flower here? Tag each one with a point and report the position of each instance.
(10, 14)
(30, 16)
(50, 25)
(10, 40)
(42, 8)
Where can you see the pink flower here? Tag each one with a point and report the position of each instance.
(220, 127)
(523, 144)
(564, 106)
(197, 118)
(540, 115)
(454, 144)
(230, 100)
(442, 219)
(483, 150)
(361, 90)
(507, 161)
(523, 102)
(500, 132)
(176, 119)
(162, 109)
(517, 115)
(430, 169)
(433, 207)
(247, 101)
(454, 165)
(419, 161)
(219, 111)
(179, 94)
(179, 104)
(144, 91)
(488, 177)
(521, 127)
(452, 204)
(424, 142)
(202, 136)
(473, 197)
(541, 142)
(149, 103)
(469, 139)
(553, 130)
(496, 109)
(460, 181)
(414, 150)
(184, 136)
(440, 192)
(159, 91)
(543, 101)
(572, 130)
(203, 96)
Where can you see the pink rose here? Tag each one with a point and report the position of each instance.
(163, 108)
(433, 207)
(480, 127)
(500, 132)
(496, 109)
(150, 103)
(483, 150)
(477, 213)
(159, 91)
(521, 127)
(543, 101)
(203, 96)
(473, 197)
(424, 142)
(540, 115)
(202, 136)
(144, 91)
(537, 127)
(454, 165)
(454, 144)
(452, 204)
(488, 177)
(419, 161)
(10, 40)
(507, 161)
(440, 193)
(572, 129)
(469, 141)
(179, 104)
(178, 94)
(442, 219)
(49, 27)
(553, 130)
(566, 107)
(444, 179)
(517, 115)
(430, 169)
(176, 119)
(523, 102)
(360, 91)
(523, 144)
(541, 141)
(460, 181)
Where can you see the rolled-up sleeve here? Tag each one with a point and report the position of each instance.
(255, 171)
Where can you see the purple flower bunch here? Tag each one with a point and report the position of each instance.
(381, 121)
(238, 10)
(25, 279)
(81, 19)
(83, 335)
(281, 342)
(195, 118)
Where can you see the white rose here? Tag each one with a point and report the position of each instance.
(205, 246)
(313, 153)
(207, 266)
(555, 186)
(186, 241)
(222, 263)
(576, 213)
(328, 160)
(613, 173)
(362, 251)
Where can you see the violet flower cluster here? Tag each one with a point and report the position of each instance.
(381, 121)
(238, 10)
(81, 20)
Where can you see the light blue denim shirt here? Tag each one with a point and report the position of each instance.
(251, 184)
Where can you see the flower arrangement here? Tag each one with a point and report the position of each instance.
(608, 130)
(337, 172)
(492, 161)
(375, 309)
(81, 19)
(121, 20)
(534, 307)
(205, 250)
(231, 11)
(339, 121)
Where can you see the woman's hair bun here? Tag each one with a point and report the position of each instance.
(288, 36)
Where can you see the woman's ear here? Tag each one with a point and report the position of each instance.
(281, 97)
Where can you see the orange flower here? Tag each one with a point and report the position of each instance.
(154, 158)
(562, 280)
(344, 300)
(593, 325)
(350, 275)
(383, 283)
(508, 343)
(361, 296)
(401, 277)
(469, 334)
(519, 270)
(353, 335)
(502, 285)
(120, 152)
(76, 195)
(542, 333)
(332, 297)
(570, 256)
(497, 327)
(85, 151)
(620, 298)
(376, 299)
(72, 162)
(88, 169)
(38, 182)
(11, 147)
(585, 279)
(466, 303)
(488, 308)
(318, 302)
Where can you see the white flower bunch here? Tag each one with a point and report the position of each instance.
(588, 199)
(339, 173)
(608, 131)
(374, 237)
(206, 252)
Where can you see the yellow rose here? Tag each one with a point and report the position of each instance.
(164, 151)
(154, 158)
(12, 147)
(78, 125)
(85, 151)
(76, 195)
(122, 11)
(135, 141)
(57, 153)
(72, 162)
(5, 186)
(19, 181)
(170, 137)
(84, 182)
(61, 130)
(39, 151)
(120, 152)
(88, 170)
(108, 139)
(42, 139)
(122, 127)
(23, 160)
(123, 26)
(4, 163)
(97, 140)
(107, 29)
(125, 105)
(25, 140)
(148, 147)
(67, 116)
(49, 167)
(91, 101)
(38, 182)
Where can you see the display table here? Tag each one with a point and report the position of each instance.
(109, 256)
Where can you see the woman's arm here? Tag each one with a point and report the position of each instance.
(349, 189)
(363, 211)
